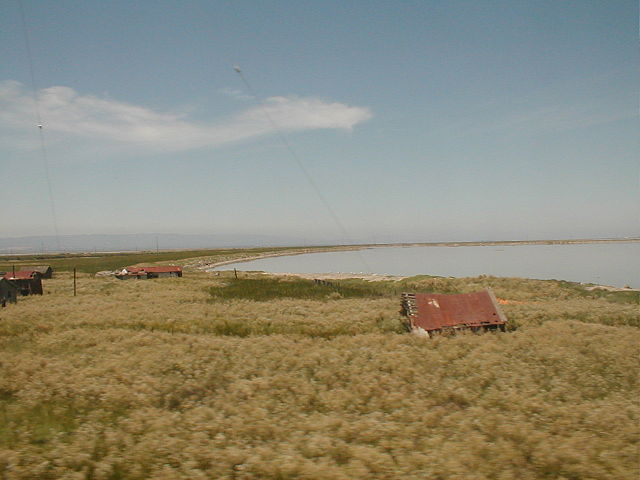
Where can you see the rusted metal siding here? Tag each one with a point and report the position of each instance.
(434, 312)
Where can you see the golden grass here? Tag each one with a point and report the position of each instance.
(153, 379)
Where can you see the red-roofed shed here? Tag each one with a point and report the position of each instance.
(28, 281)
(151, 272)
(433, 312)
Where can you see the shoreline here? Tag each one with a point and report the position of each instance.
(370, 277)
(313, 249)
(340, 248)
(378, 277)
(207, 267)
(210, 267)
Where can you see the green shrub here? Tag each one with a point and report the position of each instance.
(264, 289)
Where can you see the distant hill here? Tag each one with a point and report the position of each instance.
(142, 241)
(176, 241)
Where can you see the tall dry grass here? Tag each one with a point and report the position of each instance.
(142, 379)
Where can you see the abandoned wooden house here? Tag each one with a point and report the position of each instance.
(8, 292)
(430, 313)
(150, 272)
(27, 281)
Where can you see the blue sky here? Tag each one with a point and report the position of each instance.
(417, 121)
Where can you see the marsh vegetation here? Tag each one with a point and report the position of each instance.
(261, 378)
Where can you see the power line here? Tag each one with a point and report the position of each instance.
(300, 164)
(40, 125)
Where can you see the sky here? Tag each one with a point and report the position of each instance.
(356, 121)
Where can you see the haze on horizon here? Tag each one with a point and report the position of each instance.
(417, 121)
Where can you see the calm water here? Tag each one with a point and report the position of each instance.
(615, 264)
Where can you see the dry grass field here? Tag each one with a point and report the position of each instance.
(205, 377)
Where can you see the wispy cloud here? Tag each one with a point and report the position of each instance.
(66, 112)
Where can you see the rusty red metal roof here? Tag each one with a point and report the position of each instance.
(433, 311)
(21, 274)
(155, 269)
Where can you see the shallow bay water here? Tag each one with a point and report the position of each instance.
(614, 264)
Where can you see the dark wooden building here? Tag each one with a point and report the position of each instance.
(45, 271)
(28, 282)
(9, 292)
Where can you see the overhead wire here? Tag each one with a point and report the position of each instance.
(40, 126)
(301, 165)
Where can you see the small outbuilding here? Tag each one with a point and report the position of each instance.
(8, 292)
(28, 282)
(162, 271)
(45, 271)
(430, 313)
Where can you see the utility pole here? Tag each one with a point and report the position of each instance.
(74, 281)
